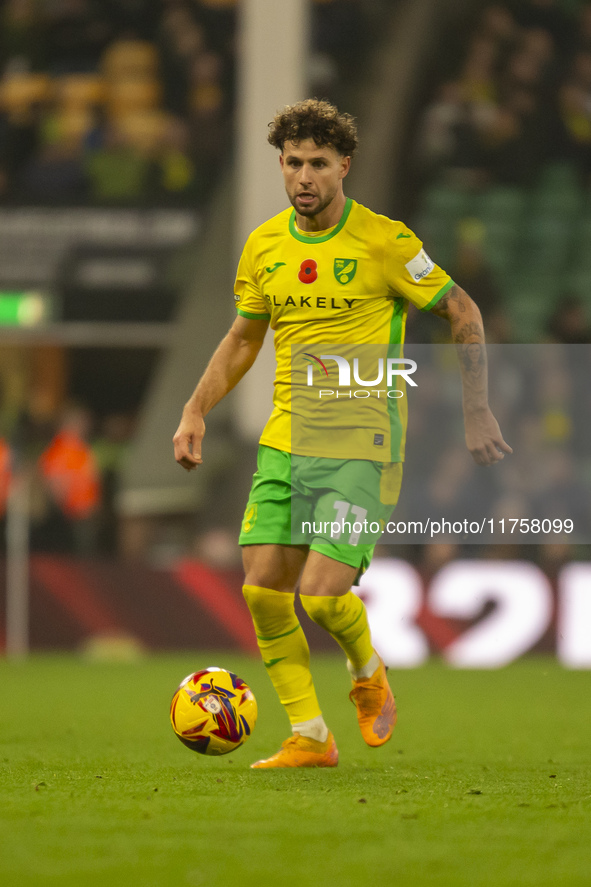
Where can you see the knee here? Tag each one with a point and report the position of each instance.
(267, 573)
(316, 585)
(272, 566)
(260, 577)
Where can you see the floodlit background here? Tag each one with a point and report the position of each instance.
(133, 164)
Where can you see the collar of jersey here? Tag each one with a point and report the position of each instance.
(304, 238)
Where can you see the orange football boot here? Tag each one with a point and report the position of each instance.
(376, 709)
(301, 751)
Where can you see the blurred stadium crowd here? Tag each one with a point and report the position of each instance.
(113, 102)
(540, 396)
(519, 100)
(130, 101)
(504, 148)
(70, 463)
(503, 152)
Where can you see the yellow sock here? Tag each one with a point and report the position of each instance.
(345, 618)
(284, 649)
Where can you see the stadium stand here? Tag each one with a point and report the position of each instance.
(501, 199)
(140, 92)
(507, 142)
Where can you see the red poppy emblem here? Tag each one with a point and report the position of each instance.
(308, 272)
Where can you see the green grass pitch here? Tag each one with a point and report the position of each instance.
(487, 781)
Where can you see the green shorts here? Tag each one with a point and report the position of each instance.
(338, 507)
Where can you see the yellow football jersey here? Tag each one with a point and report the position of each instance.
(347, 286)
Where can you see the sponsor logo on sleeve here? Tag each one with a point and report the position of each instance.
(420, 266)
(236, 298)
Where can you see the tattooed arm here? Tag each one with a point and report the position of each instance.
(483, 435)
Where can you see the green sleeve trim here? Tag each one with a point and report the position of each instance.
(252, 316)
(437, 296)
(323, 238)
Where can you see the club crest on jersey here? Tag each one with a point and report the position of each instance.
(344, 270)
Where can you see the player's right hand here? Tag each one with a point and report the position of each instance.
(187, 440)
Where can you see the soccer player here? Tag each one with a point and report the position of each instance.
(326, 270)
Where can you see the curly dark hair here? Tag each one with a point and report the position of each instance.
(314, 119)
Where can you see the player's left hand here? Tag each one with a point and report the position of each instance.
(484, 438)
